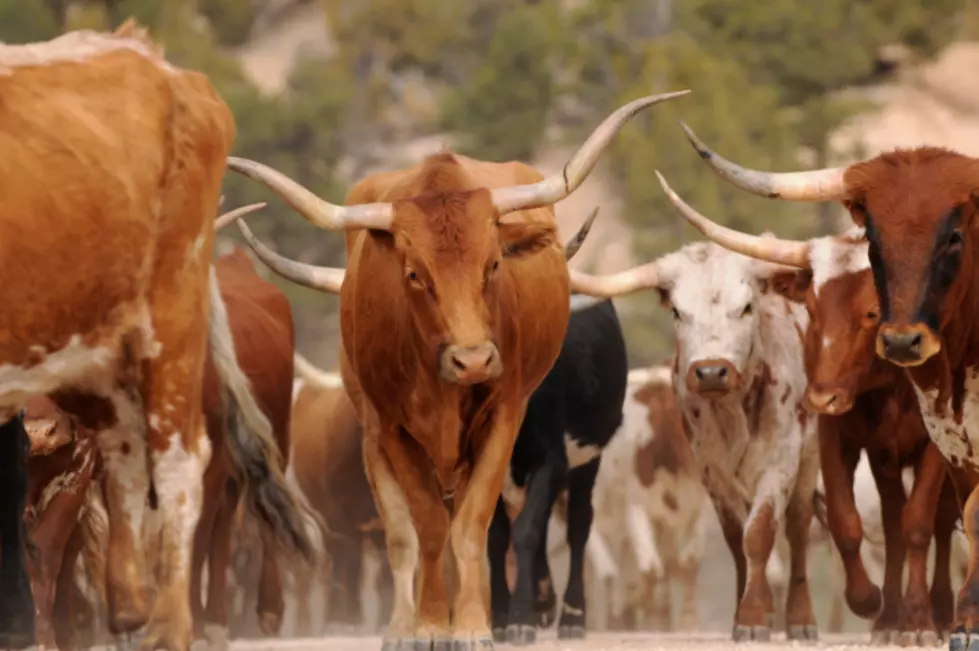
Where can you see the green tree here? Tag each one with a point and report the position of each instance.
(503, 106)
(26, 21)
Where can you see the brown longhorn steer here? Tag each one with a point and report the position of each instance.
(917, 211)
(865, 403)
(453, 309)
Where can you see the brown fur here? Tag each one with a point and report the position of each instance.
(874, 410)
(328, 466)
(426, 438)
(669, 449)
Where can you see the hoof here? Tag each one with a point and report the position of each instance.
(803, 632)
(918, 638)
(520, 634)
(475, 644)
(571, 632)
(883, 637)
(499, 635)
(962, 641)
(867, 606)
(751, 634)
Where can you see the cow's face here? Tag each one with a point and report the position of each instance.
(918, 208)
(713, 296)
(455, 254)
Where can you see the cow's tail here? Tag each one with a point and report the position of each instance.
(253, 449)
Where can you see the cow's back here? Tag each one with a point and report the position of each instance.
(91, 192)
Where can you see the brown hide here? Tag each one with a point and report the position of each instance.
(669, 448)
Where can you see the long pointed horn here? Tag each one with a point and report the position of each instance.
(309, 372)
(770, 249)
(816, 185)
(236, 214)
(320, 213)
(324, 279)
(624, 282)
(574, 244)
(558, 186)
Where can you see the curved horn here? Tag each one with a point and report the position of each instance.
(307, 371)
(574, 244)
(558, 186)
(770, 249)
(318, 212)
(324, 279)
(236, 214)
(624, 282)
(816, 185)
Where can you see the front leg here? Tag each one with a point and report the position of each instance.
(498, 544)
(918, 525)
(529, 534)
(892, 505)
(469, 528)
(580, 516)
(16, 598)
(965, 635)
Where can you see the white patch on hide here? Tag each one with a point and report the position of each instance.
(953, 440)
(836, 255)
(74, 46)
(578, 454)
(178, 476)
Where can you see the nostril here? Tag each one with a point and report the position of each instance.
(916, 340)
(488, 360)
(699, 373)
(832, 398)
(722, 372)
(460, 366)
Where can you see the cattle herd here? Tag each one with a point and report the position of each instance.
(152, 425)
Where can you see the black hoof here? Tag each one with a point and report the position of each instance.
(573, 632)
(803, 633)
(521, 634)
(499, 635)
(478, 644)
(751, 634)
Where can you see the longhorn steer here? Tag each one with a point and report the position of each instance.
(865, 404)
(453, 309)
(570, 419)
(918, 210)
(740, 382)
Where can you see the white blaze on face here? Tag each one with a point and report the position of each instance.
(837, 255)
(715, 292)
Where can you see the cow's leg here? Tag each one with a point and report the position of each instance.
(581, 481)
(800, 623)
(214, 626)
(918, 526)
(214, 496)
(545, 600)
(965, 635)
(271, 601)
(413, 472)
(498, 542)
(400, 535)
(469, 527)
(733, 532)
(891, 490)
(16, 599)
(529, 533)
(63, 615)
(942, 597)
(756, 612)
(689, 617)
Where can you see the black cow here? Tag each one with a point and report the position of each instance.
(16, 599)
(570, 419)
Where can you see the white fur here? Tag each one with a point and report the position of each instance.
(308, 372)
(952, 439)
(836, 255)
(578, 454)
(743, 470)
(73, 47)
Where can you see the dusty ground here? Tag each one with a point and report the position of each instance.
(595, 642)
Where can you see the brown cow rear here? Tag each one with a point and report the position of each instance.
(453, 309)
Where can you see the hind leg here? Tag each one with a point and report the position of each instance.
(942, 597)
(271, 603)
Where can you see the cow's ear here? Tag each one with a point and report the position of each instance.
(523, 238)
(858, 213)
(792, 285)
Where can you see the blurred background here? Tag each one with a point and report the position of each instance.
(328, 91)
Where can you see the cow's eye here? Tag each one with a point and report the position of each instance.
(955, 238)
